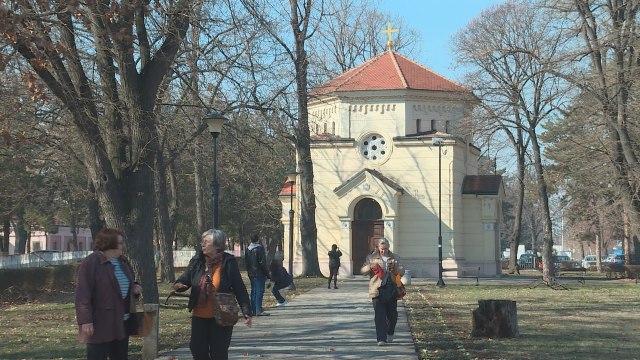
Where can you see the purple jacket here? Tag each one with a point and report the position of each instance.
(98, 298)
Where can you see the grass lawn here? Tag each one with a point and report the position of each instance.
(583, 322)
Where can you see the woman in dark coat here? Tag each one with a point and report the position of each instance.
(281, 279)
(105, 291)
(334, 265)
(212, 268)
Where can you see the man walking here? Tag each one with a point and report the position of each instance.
(256, 260)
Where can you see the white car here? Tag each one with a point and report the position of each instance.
(589, 261)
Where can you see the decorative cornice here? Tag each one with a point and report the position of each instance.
(366, 108)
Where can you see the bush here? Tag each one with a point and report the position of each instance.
(57, 277)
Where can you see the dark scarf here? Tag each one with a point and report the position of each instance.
(205, 280)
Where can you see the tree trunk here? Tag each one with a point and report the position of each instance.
(95, 222)
(308, 229)
(514, 238)
(495, 319)
(74, 231)
(167, 273)
(6, 232)
(548, 270)
(198, 175)
(173, 203)
(20, 232)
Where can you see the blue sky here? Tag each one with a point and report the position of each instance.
(436, 21)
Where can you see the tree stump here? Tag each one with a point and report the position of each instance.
(495, 319)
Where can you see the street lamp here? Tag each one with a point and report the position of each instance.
(214, 121)
(291, 177)
(437, 141)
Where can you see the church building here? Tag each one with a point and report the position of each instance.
(392, 157)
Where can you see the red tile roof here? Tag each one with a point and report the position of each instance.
(288, 189)
(389, 71)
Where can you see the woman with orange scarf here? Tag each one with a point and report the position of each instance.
(212, 269)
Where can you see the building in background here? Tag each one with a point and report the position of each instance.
(392, 157)
(62, 240)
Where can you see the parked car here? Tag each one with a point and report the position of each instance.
(589, 261)
(527, 261)
(559, 259)
(615, 258)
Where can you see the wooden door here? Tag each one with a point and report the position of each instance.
(364, 237)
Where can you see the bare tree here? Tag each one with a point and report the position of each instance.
(105, 62)
(509, 45)
(300, 17)
(603, 62)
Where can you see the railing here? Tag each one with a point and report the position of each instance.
(48, 258)
(41, 259)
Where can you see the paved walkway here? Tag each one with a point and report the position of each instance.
(319, 324)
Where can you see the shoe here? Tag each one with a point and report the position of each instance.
(381, 343)
(282, 303)
(264, 313)
(329, 287)
(389, 338)
(335, 287)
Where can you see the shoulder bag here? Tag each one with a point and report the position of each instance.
(226, 308)
(402, 291)
(140, 322)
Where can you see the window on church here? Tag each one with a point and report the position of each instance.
(418, 126)
(374, 147)
(368, 209)
(433, 125)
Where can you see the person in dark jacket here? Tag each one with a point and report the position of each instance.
(212, 268)
(256, 261)
(280, 279)
(334, 265)
(105, 291)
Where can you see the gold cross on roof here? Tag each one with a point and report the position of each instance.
(389, 30)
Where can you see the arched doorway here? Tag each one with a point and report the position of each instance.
(366, 228)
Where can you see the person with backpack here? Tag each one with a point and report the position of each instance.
(381, 265)
(334, 265)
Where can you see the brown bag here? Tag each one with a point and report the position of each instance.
(402, 291)
(226, 309)
(140, 322)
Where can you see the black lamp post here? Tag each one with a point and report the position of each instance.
(436, 141)
(214, 121)
(291, 177)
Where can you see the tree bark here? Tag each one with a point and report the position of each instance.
(495, 319)
(548, 269)
(164, 233)
(20, 232)
(6, 232)
(514, 238)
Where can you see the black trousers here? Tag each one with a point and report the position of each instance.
(386, 318)
(333, 274)
(209, 341)
(114, 350)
